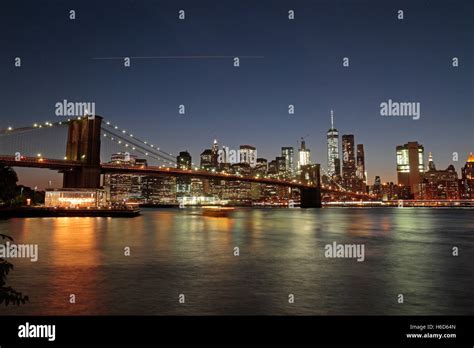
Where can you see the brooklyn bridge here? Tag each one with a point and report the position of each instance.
(82, 166)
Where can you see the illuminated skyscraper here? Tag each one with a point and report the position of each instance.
(410, 165)
(431, 165)
(281, 166)
(334, 166)
(287, 153)
(123, 187)
(304, 155)
(215, 154)
(349, 177)
(360, 172)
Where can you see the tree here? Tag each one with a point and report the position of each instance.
(8, 180)
(7, 294)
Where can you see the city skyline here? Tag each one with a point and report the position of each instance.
(31, 180)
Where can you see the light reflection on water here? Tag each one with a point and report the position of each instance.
(176, 251)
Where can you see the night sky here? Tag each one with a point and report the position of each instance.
(293, 62)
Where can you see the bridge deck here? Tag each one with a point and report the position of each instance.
(62, 165)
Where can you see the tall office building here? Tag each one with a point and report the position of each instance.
(206, 159)
(184, 160)
(360, 172)
(467, 178)
(304, 155)
(215, 154)
(337, 166)
(262, 166)
(281, 166)
(248, 155)
(410, 165)
(334, 167)
(377, 187)
(183, 184)
(349, 177)
(159, 189)
(431, 165)
(273, 168)
(287, 153)
(123, 187)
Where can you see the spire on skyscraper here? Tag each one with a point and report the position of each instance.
(431, 165)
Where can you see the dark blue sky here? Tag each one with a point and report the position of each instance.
(408, 60)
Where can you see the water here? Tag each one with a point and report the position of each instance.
(178, 251)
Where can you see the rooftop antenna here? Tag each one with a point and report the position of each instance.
(332, 119)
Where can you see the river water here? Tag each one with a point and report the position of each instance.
(407, 251)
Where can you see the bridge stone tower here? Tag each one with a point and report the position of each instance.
(311, 196)
(83, 145)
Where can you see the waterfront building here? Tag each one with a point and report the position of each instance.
(467, 178)
(439, 184)
(410, 165)
(159, 190)
(391, 191)
(74, 198)
(123, 187)
(377, 187)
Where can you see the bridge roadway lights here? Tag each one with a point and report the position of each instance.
(310, 198)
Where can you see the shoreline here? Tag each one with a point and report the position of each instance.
(28, 212)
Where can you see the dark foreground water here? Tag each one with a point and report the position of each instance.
(178, 251)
